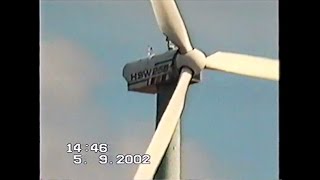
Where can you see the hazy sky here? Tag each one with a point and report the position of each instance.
(230, 123)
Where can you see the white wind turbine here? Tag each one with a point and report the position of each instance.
(190, 62)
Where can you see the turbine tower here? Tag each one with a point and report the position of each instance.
(169, 75)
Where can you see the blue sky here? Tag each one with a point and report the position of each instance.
(231, 119)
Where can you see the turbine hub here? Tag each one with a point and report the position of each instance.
(194, 59)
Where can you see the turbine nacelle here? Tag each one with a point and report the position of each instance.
(146, 75)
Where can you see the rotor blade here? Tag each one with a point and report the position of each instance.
(166, 127)
(244, 65)
(171, 23)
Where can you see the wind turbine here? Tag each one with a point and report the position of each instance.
(170, 74)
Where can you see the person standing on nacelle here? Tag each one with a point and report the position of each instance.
(150, 52)
(170, 45)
